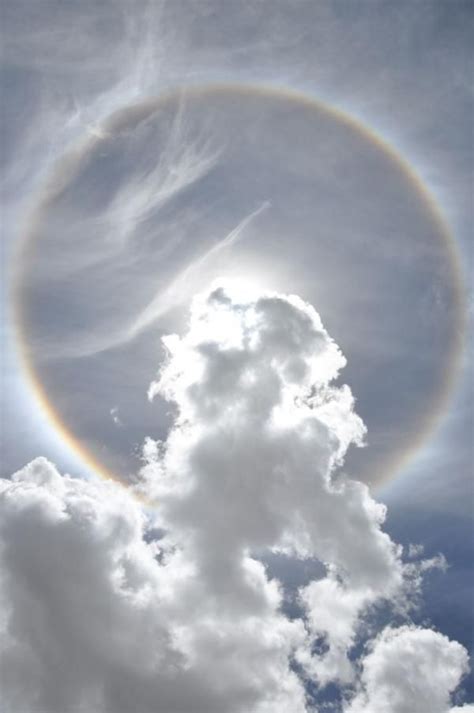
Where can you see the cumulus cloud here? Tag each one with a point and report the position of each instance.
(410, 670)
(96, 618)
(111, 607)
(251, 461)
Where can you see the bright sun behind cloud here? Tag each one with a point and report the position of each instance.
(236, 458)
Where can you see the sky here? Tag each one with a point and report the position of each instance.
(236, 377)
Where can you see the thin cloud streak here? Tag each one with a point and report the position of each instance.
(192, 276)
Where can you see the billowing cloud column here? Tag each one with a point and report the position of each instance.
(251, 461)
(101, 612)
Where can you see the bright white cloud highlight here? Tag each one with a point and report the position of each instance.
(410, 670)
(100, 615)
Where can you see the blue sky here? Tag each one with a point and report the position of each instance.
(319, 149)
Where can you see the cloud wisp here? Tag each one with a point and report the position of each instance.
(186, 282)
(112, 609)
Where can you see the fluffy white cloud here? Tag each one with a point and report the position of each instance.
(251, 461)
(410, 670)
(97, 619)
(98, 615)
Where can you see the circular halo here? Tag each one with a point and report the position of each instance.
(330, 163)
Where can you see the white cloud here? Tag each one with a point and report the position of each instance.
(410, 670)
(251, 459)
(98, 617)
(92, 620)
